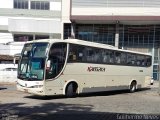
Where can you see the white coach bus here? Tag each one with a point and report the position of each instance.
(71, 66)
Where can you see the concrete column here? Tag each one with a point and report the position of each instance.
(29, 4)
(159, 68)
(66, 14)
(14, 60)
(66, 10)
(34, 36)
(62, 31)
(73, 30)
(117, 35)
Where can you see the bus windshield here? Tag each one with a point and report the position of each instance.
(32, 64)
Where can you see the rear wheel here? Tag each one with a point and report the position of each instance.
(133, 86)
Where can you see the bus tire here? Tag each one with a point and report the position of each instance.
(71, 89)
(133, 86)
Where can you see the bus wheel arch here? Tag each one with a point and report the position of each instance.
(133, 86)
(71, 89)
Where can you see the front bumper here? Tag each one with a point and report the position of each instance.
(35, 91)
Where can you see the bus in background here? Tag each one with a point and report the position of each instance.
(69, 67)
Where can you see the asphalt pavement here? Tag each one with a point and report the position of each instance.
(116, 105)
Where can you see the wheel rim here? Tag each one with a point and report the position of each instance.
(133, 87)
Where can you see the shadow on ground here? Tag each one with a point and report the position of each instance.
(3, 88)
(61, 111)
(105, 93)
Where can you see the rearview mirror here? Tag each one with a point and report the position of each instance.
(48, 65)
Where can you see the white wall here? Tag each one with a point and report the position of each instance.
(15, 49)
(55, 6)
(6, 4)
(117, 11)
(8, 76)
(34, 26)
(11, 49)
(3, 20)
(4, 49)
(3, 66)
(6, 37)
(66, 11)
(116, 7)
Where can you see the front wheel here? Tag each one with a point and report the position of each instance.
(133, 87)
(70, 90)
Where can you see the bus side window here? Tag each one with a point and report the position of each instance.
(123, 58)
(131, 59)
(97, 56)
(72, 57)
(105, 56)
(146, 61)
(72, 53)
(80, 53)
(111, 55)
(89, 55)
(149, 61)
(117, 57)
(76, 53)
(138, 63)
(57, 57)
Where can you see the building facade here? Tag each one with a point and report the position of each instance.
(25, 20)
(126, 24)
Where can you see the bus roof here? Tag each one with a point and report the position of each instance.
(85, 43)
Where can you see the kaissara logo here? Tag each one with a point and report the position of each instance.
(96, 69)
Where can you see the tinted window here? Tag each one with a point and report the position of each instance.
(76, 53)
(79, 53)
(57, 55)
(120, 57)
(148, 60)
(40, 5)
(140, 61)
(86, 54)
(93, 55)
(22, 38)
(21, 4)
(108, 56)
(131, 59)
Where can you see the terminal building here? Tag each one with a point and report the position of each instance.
(126, 24)
(26, 20)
